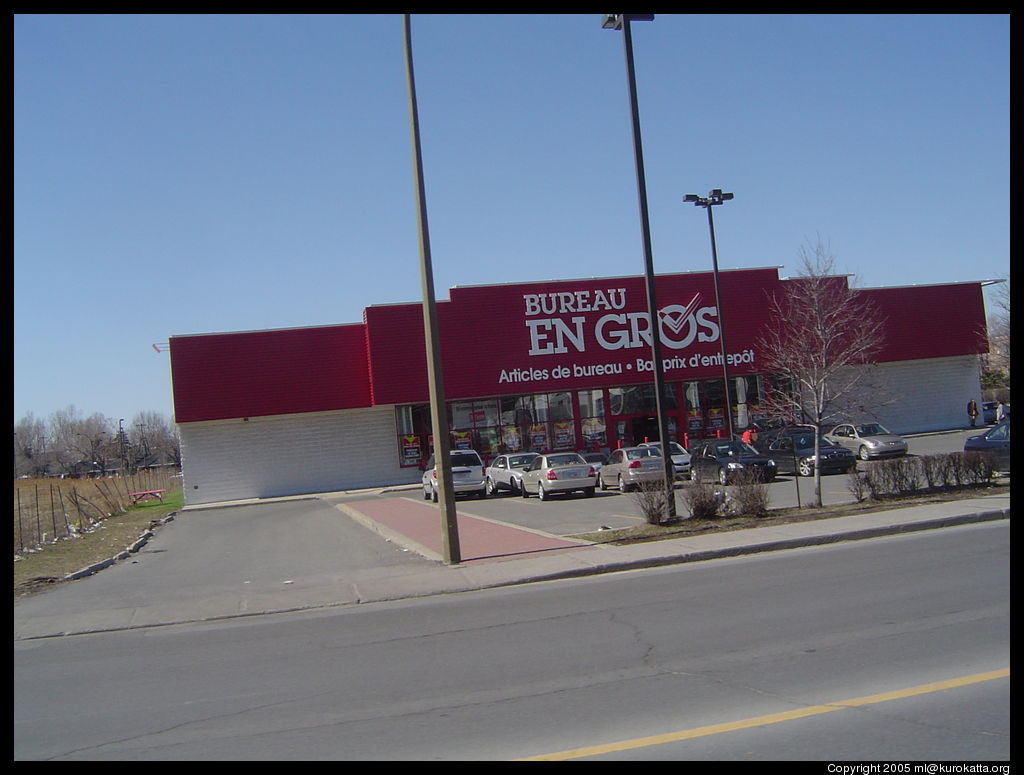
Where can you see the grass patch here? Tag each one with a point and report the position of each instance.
(49, 563)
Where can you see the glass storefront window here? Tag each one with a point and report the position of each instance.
(591, 403)
(461, 414)
(559, 406)
(639, 399)
(595, 434)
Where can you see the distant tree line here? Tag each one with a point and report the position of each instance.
(68, 444)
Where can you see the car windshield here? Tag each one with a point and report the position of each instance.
(871, 429)
(636, 454)
(734, 449)
(565, 460)
(465, 459)
(521, 460)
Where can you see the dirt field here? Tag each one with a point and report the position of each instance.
(63, 526)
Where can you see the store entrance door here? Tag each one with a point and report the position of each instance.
(644, 429)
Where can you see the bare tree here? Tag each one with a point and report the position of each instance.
(70, 444)
(31, 446)
(153, 439)
(819, 348)
(996, 363)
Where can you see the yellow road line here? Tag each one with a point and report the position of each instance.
(772, 718)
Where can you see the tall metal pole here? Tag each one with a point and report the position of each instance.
(438, 407)
(716, 197)
(652, 306)
(721, 325)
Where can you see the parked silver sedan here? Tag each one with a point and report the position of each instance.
(868, 440)
(506, 472)
(558, 472)
(630, 466)
(680, 457)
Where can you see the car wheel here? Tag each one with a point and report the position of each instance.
(522, 489)
(426, 494)
(863, 453)
(600, 483)
(491, 489)
(723, 477)
(433, 494)
(542, 493)
(806, 469)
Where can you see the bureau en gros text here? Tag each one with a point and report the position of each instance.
(679, 326)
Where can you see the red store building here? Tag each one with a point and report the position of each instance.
(551, 365)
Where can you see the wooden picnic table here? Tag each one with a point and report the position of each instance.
(145, 495)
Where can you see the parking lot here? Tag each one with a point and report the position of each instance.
(575, 514)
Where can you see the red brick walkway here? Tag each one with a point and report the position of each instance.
(480, 540)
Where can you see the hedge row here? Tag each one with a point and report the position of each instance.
(917, 475)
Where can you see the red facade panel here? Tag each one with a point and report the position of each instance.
(532, 338)
(219, 376)
(931, 321)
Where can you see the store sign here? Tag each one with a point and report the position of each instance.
(679, 326)
(595, 322)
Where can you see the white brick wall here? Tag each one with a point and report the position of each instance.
(929, 394)
(291, 454)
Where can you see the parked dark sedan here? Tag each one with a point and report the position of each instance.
(722, 460)
(997, 441)
(793, 453)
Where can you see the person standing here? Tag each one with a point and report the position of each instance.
(972, 411)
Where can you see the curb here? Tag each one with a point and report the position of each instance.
(141, 541)
(762, 548)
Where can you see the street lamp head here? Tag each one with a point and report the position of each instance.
(715, 197)
(614, 21)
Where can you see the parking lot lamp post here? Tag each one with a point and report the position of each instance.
(621, 21)
(716, 197)
(438, 408)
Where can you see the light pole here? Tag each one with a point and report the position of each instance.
(438, 408)
(621, 21)
(716, 197)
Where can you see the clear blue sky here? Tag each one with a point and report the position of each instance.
(195, 174)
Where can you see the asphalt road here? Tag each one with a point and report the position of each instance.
(788, 638)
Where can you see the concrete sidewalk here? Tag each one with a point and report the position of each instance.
(499, 554)
(493, 554)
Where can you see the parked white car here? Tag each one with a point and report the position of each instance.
(467, 475)
(506, 472)
(558, 472)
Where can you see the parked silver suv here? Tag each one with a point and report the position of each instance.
(467, 475)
